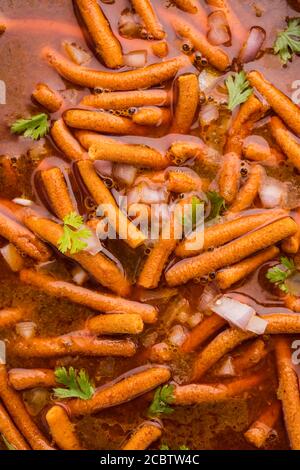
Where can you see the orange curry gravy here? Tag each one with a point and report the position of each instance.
(32, 25)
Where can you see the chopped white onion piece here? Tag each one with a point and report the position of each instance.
(208, 297)
(207, 79)
(272, 193)
(177, 335)
(150, 195)
(136, 59)
(253, 45)
(12, 257)
(104, 167)
(78, 55)
(233, 311)
(208, 114)
(93, 244)
(257, 325)
(226, 369)
(219, 32)
(26, 329)
(22, 201)
(195, 319)
(79, 275)
(125, 173)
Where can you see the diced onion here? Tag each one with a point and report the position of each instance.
(12, 257)
(252, 46)
(257, 325)
(125, 173)
(208, 114)
(272, 193)
(233, 311)
(93, 244)
(219, 32)
(36, 399)
(129, 26)
(26, 329)
(163, 294)
(195, 319)
(208, 297)
(226, 369)
(207, 79)
(79, 276)
(78, 55)
(104, 167)
(22, 201)
(177, 335)
(136, 59)
(293, 284)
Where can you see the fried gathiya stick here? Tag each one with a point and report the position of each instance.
(292, 244)
(102, 122)
(23, 379)
(10, 316)
(118, 152)
(282, 105)
(247, 194)
(50, 99)
(288, 390)
(259, 153)
(214, 55)
(147, 433)
(160, 49)
(179, 152)
(187, 103)
(292, 302)
(96, 300)
(243, 123)
(101, 194)
(126, 388)
(229, 177)
(189, 6)
(17, 411)
(231, 253)
(127, 99)
(229, 276)
(261, 429)
(252, 355)
(115, 323)
(99, 266)
(142, 78)
(152, 116)
(10, 432)
(146, 12)
(57, 192)
(71, 345)
(66, 142)
(219, 234)
(194, 394)
(106, 44)
(184, 182)
(62, 429)
(286, 141)
(198, 335)
(20, 236)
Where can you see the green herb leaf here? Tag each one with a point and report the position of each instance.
(163, 397)
(183, 447)
(78, 384)
(73, 240)
(34, 128)
(280, 273)
(8, 444)
(217, 205)
(239, 89)
(288, 41)
(164, 447)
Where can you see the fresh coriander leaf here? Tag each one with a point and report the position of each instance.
(288, 41)
(183, 447)
(217, 204)
(78, 384)
(8, 444)
(73, 240)
(280, 273)
(239, 89)
(164, 447)
(34, 128)
(163, 397)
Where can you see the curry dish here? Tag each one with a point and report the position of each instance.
(113, 338)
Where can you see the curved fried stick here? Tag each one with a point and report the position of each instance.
(261, 429)
(17, 411)
(66, 142)
(187, 103)
(259, 153)
(10, 432)
(115, 323)
(185, 181)
(160, 49)
(189, 6)
(8, 177)
(57, 192)
(282, 105)
(146, 12)
(96, 300)
(229, 276)
(194, 394)
(23, 379)
(106, 44)
(219, 234)
(231, 253)
(101, 194)
(198, 335)
(292, 302)
(127, 99)
(214, 55)
(250, 357)
(229, 177)
(50, 99)
(62, 429)
(125, 388)
(288, 390)
(179, 152)
(286, 141)
(145, 77)
(147, 433)
(10, 316)
(71, 344)
(99, 266)
(152, 116)
(21, 237)
(247, 194)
